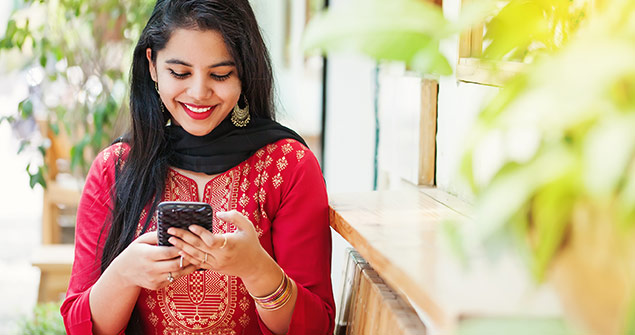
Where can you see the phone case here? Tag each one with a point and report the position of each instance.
(182, 215)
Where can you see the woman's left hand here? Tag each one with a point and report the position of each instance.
(237, 254)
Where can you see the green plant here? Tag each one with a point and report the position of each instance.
(46, 320)
(401, 30)
(565, 130)
(524, 28)
(559, 138)
(77, 56)
(564, 135)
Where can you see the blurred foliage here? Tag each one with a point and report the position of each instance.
(524, 28)
(46, 320)
(565, 135)
(399, 30)
(76, 54)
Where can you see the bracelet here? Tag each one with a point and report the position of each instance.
(279, 297)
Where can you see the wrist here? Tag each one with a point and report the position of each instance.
(117, 272)
(265, 278)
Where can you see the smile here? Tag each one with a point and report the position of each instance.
(198, 112)
(197, 109)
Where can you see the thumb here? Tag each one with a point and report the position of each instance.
(148, 238)
(240, 221)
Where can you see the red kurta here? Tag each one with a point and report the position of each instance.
(280, 189)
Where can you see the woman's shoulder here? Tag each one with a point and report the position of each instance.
(114, 152)
(280, 162)
(107, 159)
(282, 154)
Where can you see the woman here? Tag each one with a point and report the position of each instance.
(202, 66)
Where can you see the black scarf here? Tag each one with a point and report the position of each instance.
(224, 147)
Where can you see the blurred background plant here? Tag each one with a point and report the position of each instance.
(46, 320)
(370, 27)
(560, 135)
(76, 56)
(563, 186)
(522, 29)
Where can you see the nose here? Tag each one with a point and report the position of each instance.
(200, 89)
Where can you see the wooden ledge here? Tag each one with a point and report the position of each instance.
(401, 234)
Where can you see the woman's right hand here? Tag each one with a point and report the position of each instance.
(145, 264)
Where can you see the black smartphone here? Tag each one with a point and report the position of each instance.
(181, 214)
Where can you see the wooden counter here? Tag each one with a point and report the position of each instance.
(401, 234)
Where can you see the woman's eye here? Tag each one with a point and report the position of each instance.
(221, 77)
(178, 75)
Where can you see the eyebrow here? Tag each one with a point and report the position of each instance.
(180, 62)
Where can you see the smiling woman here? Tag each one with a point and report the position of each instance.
(203, 131)
(198, 86)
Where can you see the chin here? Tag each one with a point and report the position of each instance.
(198, 129)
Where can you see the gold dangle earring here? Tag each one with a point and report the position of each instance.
(156, 87)
(240, 116)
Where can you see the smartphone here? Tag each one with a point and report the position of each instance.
(181, 214)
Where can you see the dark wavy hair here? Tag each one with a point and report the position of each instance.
(141, 180)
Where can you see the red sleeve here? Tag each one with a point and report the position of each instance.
(302, 247)
(92, 212)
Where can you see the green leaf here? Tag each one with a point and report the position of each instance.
(430, 60)
(23, 145)
(11, 29)
(551, 209)
(42, 150)
(37, 177)
(370, 27)
(26, 108)
(55, 128)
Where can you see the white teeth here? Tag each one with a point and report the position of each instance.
(198, 110)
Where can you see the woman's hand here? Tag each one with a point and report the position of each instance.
(145, 264)
(238, 253)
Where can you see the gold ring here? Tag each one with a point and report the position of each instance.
(170, 278)
(224, 242)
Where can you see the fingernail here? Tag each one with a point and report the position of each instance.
(171, 231)
(172, 240)
(193, 228)
(221, 214)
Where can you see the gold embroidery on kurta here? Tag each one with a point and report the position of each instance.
(268, 161)
(299, 154)
(282, 163)
(271, 148)
(287, 148)
(277, 180)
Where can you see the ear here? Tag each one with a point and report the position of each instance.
(151, 67)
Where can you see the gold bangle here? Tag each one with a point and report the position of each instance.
(279, 297)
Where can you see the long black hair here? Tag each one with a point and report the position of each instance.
(141, 179)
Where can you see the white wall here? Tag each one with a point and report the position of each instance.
(298, 78)
(458, 105)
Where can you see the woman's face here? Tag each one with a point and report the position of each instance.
(197, 79)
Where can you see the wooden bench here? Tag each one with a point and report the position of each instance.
(369, 306)
(55, 262)
(404, 236)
